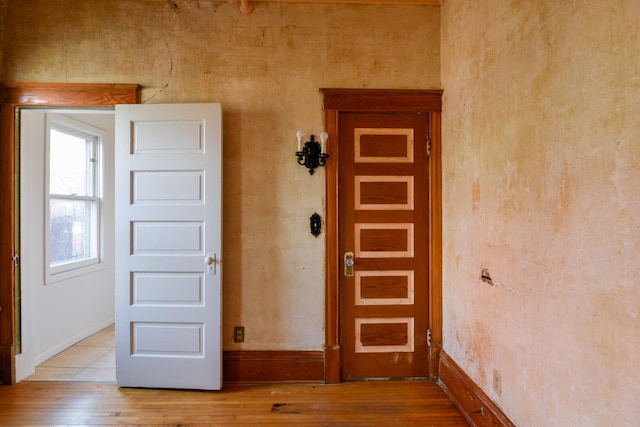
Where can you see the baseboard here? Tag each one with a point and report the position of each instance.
(273, 366)
(50, 352)
(475, 405)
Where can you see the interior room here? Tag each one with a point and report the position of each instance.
(536, 140)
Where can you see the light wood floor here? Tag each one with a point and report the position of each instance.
(92, 359)
(374, 403)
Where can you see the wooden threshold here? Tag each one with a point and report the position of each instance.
(474, 403)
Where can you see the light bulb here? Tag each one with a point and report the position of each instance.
(323, 140)
(299, 134)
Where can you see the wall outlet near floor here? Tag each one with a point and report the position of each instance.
(497, 382)
(238, 334)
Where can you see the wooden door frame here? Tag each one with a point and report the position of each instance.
(335, 102)
(12, 97)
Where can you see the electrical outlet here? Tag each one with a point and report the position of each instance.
(238, 334)
(497, 382)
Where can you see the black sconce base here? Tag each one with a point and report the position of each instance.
(315, 222)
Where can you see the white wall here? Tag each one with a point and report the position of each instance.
(59, 314)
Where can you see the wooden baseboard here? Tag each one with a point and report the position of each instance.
(434, 361)
(273, 366)
(7, 367)
(474, 403)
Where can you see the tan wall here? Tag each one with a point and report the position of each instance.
(541, 163)
(265, 69)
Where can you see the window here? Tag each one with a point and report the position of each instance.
(73, 208)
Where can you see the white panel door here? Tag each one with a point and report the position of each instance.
(168, 246)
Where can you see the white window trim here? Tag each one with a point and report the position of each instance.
(76, 268)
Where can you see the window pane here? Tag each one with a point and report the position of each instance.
(69, 164)
(71, 230)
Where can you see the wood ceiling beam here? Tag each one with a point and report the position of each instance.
(246, 6)
(403, 2)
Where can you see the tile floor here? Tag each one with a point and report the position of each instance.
(92, 359)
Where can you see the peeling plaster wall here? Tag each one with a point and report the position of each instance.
(265, 69)
(541, 162)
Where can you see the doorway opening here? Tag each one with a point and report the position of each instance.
(14, 96)
(67, 227)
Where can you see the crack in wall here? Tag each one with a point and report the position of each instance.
(169, 79)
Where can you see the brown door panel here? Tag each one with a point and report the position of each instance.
(383, 199)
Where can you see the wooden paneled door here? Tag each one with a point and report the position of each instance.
(384, 205)
(383, 228)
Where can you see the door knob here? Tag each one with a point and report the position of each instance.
(211, 260)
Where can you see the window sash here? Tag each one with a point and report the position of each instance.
(73, 230)
(75, 148)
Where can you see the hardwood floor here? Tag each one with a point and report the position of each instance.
(52, 397)
(373, 403)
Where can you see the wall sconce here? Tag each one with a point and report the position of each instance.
(313, 153)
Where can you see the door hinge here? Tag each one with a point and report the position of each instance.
(16, 259)
(428, 146)
(428, 337)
